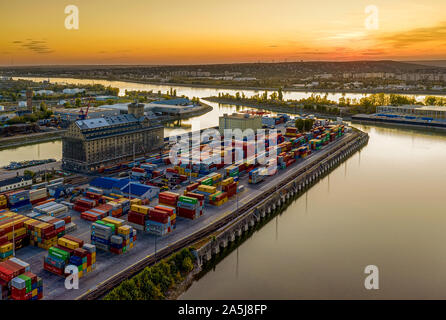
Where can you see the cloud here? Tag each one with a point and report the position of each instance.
(36, 46)
(415, 36)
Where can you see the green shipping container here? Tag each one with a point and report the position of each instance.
(112, 226)
(58, 253)
(207, 182)
(188, 199)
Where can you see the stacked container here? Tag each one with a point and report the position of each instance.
(172, 212)
(19, 200)
(158, 222)
(12, 227)
(37, 195)
(218, 198)
(52, 209)
(3, 201)
(206, 191)
(291, 132)
(70, 251)
(18, 283)
(229, 186)
(256, 175)
(84, 204)
(189, 207)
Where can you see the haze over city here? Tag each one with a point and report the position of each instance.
(179, 32)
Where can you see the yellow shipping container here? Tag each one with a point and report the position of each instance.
(227, 181)
(117, 222)
(68, 243)
(139, 208)
(194, 174)
(125, 230)
(208, 189)
(17, 233)
(135, 201)
(5, 247)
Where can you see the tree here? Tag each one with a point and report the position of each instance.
(299, 124)
(187, 264)
(280, 94)
(77, 102)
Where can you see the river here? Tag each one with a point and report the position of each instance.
(384, 206)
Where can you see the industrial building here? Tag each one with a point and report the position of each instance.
(72, 114)
(164, 107)
(241, 121)
(15, 183)
(92, 143)
(434, 112)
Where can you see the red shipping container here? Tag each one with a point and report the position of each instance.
(79, 252)
(37, 201)
(89, 217)
(158, 216)
(5, 273)
(3, 239)
(53, 269)
(136, 217)
(198, 196)
(18, 294)
(192, 186)
(50, 235)
(169, 211)
(67, 219)
(14, 267)
(186, 213)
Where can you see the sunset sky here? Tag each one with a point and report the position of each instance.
(211, 31)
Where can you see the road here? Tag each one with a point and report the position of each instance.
(109, 264)
(5, 174)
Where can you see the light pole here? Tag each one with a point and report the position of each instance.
(13, 238)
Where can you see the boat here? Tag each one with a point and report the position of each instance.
(25, 164)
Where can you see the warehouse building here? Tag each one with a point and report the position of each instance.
(434, 112)
(240, 121)
(15, 183)
(89, 144)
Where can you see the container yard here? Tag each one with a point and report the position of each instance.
(127, 210)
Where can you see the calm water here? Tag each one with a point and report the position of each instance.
(39, 151)
(384, 206)
(195, 92)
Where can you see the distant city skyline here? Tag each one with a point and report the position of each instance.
(205, 32)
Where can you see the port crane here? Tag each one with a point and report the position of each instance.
(83, 115)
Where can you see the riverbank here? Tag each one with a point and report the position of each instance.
(205, 108)
(408, 124)
(26, 139)
(274, 108)
(234, 87)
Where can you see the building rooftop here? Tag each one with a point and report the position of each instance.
(431, 108)
(106, 121)
(9, 181)
(241, 116)
(173, 102)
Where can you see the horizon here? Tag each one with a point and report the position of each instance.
(199, 32)
(211, 64)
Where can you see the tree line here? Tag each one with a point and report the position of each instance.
(154, 282)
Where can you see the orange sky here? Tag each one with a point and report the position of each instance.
(211, 31)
